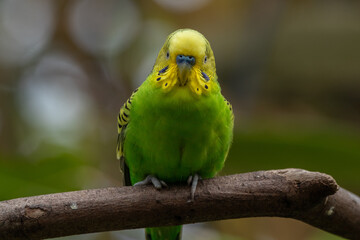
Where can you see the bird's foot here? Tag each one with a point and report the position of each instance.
(150, 179)
(193, 181)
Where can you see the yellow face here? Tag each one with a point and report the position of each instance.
(186, 60)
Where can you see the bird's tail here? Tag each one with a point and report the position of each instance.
(163, 233)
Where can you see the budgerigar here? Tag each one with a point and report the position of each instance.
(176, 127)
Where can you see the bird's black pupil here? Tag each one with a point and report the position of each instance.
(167, 54)
(205, 59)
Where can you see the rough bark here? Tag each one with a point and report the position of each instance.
(311, 197)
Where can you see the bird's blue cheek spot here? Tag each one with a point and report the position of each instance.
(205, 76)
(163, 70)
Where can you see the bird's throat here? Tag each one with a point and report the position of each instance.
(181, 76)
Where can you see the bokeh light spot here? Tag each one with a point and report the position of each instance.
(103, 27)
(25, 27)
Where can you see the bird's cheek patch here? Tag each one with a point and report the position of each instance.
(162, 71)
(166, 78)
(197, 84)
(205, 76)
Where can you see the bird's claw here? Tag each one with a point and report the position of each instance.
(150, 179)
(193, 181)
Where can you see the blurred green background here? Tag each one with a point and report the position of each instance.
(290, 68)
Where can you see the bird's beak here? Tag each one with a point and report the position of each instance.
(185, 64)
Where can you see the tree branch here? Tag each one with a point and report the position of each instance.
(294, 193)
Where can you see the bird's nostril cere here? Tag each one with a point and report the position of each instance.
(185, 59)
(190, 60)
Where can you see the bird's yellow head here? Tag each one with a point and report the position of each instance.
(186, 60)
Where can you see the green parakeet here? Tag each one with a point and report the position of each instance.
(176, 127)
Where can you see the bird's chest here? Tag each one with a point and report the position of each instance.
(173, 138)
(179, 121)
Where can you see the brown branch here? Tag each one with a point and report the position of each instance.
(294, 193)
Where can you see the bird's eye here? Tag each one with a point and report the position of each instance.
(167, 54)
(205, 59)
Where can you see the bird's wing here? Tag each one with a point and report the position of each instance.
(230, 108)
(123, 120)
